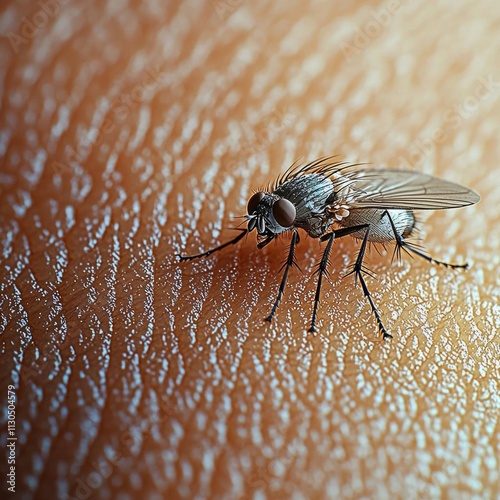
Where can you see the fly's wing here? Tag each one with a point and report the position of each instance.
(400, 189)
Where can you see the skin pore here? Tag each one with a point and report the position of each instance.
(131, 133)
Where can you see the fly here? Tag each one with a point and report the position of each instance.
(329, 200)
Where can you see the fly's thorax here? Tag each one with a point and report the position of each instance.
(320, 201)
(312, 202)
(316, 226)
(381, 230)
(309, 193)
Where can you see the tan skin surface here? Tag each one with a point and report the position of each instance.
(129, 135)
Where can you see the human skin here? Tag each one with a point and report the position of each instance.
(130, 135)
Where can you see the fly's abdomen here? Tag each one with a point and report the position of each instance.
(381, 230)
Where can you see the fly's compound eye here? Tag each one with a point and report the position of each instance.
(254, 201)
(284, 212)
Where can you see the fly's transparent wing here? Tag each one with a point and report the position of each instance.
(400, 189)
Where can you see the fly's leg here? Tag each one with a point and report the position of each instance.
(243, 233)
(290, 261)
(322, 269)
(401, 243)
(358, 271)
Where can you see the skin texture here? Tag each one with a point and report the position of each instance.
(132, 132)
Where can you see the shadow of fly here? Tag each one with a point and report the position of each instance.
(329, 200)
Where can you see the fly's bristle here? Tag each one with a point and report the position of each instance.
(323, 166)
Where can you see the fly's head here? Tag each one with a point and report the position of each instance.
(270, 215)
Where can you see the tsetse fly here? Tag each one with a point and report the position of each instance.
(329, 200)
